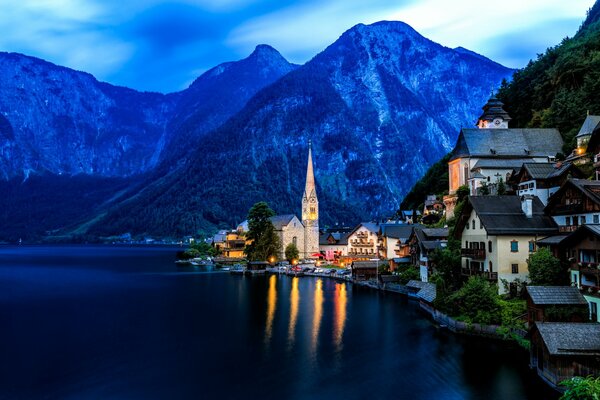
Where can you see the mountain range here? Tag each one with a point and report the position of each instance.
(380, 104)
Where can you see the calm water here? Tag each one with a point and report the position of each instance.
(109, 322)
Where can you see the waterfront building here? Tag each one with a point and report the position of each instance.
(498, 233)
(362, 241)
(289, 229)
(543, 179)
(393, 244)
(334, 245)
(422, 242)
(562, 350)
(555, 304)
(580, 250)
(364, 270)
(492, 152)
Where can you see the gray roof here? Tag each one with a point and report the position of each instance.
(550, 240)
(589, 125)
(590, 189)
(426, 291)
(434, 244)
(500, 163)
(365, 264)
(341, 239)
(494, 109)
(370, 226)
(556, 295)
(432, 233)
(568, 338)
(503, 215)
(508, 143)
(398, 231)
(279, 221)
(546, 170)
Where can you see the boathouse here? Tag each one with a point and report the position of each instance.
(555, 304)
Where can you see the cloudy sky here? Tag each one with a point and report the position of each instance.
(163, 45)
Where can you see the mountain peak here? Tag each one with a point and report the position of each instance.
(383, 27)
(264, 51)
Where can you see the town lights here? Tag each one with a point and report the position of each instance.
(272, 259)
(294, 262)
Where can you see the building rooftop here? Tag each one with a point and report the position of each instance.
(494, 109)
(590, 189)
(589, 125)
(398, 231)
(425, 290)
(279, 221)
(568, 338)
(503, 215)
(507, 143)
(556, 295)
(545, 170)
(500, 163)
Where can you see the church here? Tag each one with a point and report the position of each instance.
(303, 233)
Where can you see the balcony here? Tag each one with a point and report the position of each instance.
(475, 254)
(567, 228)
(492, 276)
(565, 209)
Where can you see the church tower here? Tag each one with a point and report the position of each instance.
(310, 211)
(494, 116)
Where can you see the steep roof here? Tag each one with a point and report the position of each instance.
(546, 170)
(398, 231)
(494, 109)
(589, 125)
(370, 226)
(507, 143)
(590, 189)
(500, 163)
(279, 221)
(341, 239)
(568, 338)
(425, 290)
(556, 295)
(503, 215)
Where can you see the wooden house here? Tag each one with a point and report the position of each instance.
(555, 304)
(364, 270)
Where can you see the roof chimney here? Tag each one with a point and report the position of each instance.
(527, 205)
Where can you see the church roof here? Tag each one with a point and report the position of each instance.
(507, 143)
(589, 125)
(310, 188)
(494, 109)
(279, 221)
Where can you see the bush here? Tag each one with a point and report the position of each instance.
(409, 274)
(579, 388)
(477, 302)
(545, 269)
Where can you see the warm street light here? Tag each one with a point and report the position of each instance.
(272, 259)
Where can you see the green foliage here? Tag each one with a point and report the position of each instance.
(484, 190)
(566, 313)
(384, 268)
(447, 263)
(291, 252)
(513, 313)
(501, 189)
(578, 388)
(409, 274)
(545, 269)
(477, 302)
(265, 242)
(435, 181)
(557, 89)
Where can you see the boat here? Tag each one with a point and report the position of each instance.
(226, 268)
(202, 262)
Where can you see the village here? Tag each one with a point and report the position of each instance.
(518, 221)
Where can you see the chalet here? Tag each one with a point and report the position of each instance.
(422, 242)
(555, 304)
(364, 270)
(362, 241)
(562, 350)
(543, 179)
(334, 245)
(491, 153)
(393, 243)
(576, 203)
(498, 233)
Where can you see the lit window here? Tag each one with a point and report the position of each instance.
(514, 246)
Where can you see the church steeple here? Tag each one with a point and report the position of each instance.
(493, 115)
(310, 210)
(310, 188)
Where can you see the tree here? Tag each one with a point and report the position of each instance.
(579, 388)
(291, 252)
(477, 301)
(501, 187)
(261, 232)
(545, 269)
(484, 190)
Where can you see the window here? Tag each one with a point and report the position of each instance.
(490, 266)
(583, 219)
(531, 246)
(514, 246)
(593, 311)
(490, 246)
(295, 241)
(466, 244)
(468, 225)
(575, 220)
(597, 219)
(567, 220)
(515, 268)
(473, 224)
(480, 224)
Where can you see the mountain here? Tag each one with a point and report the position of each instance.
(380, 105)
(558, 88)
(554, 91)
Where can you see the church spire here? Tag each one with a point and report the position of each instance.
(310, 188)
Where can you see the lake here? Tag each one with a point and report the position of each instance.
(98, 322)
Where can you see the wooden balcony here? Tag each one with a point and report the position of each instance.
(475, 254)
(492, 276)
(567, 228)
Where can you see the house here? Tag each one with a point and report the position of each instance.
(422, 242)
(410, 216)
(581, 251)
(334, 245)
(555, 304)
(364, 270)
(576, 203)
(393, 243)
(491, 153)
(562, 350)
(498, 233)
(543, 179)
(362, 241)
(230, 244)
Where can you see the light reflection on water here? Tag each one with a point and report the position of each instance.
(340, 301)
(294, 304)
(271, 307)
(317, 316)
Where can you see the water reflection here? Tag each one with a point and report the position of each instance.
(317, 315)
(294, 303)
(271, 305)
(340, 301)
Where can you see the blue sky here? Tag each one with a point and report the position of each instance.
(163, 45)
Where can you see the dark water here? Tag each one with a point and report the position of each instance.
(125, 323)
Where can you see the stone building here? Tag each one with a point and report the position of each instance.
(310, 212)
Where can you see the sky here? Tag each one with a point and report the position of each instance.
(158, 45)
